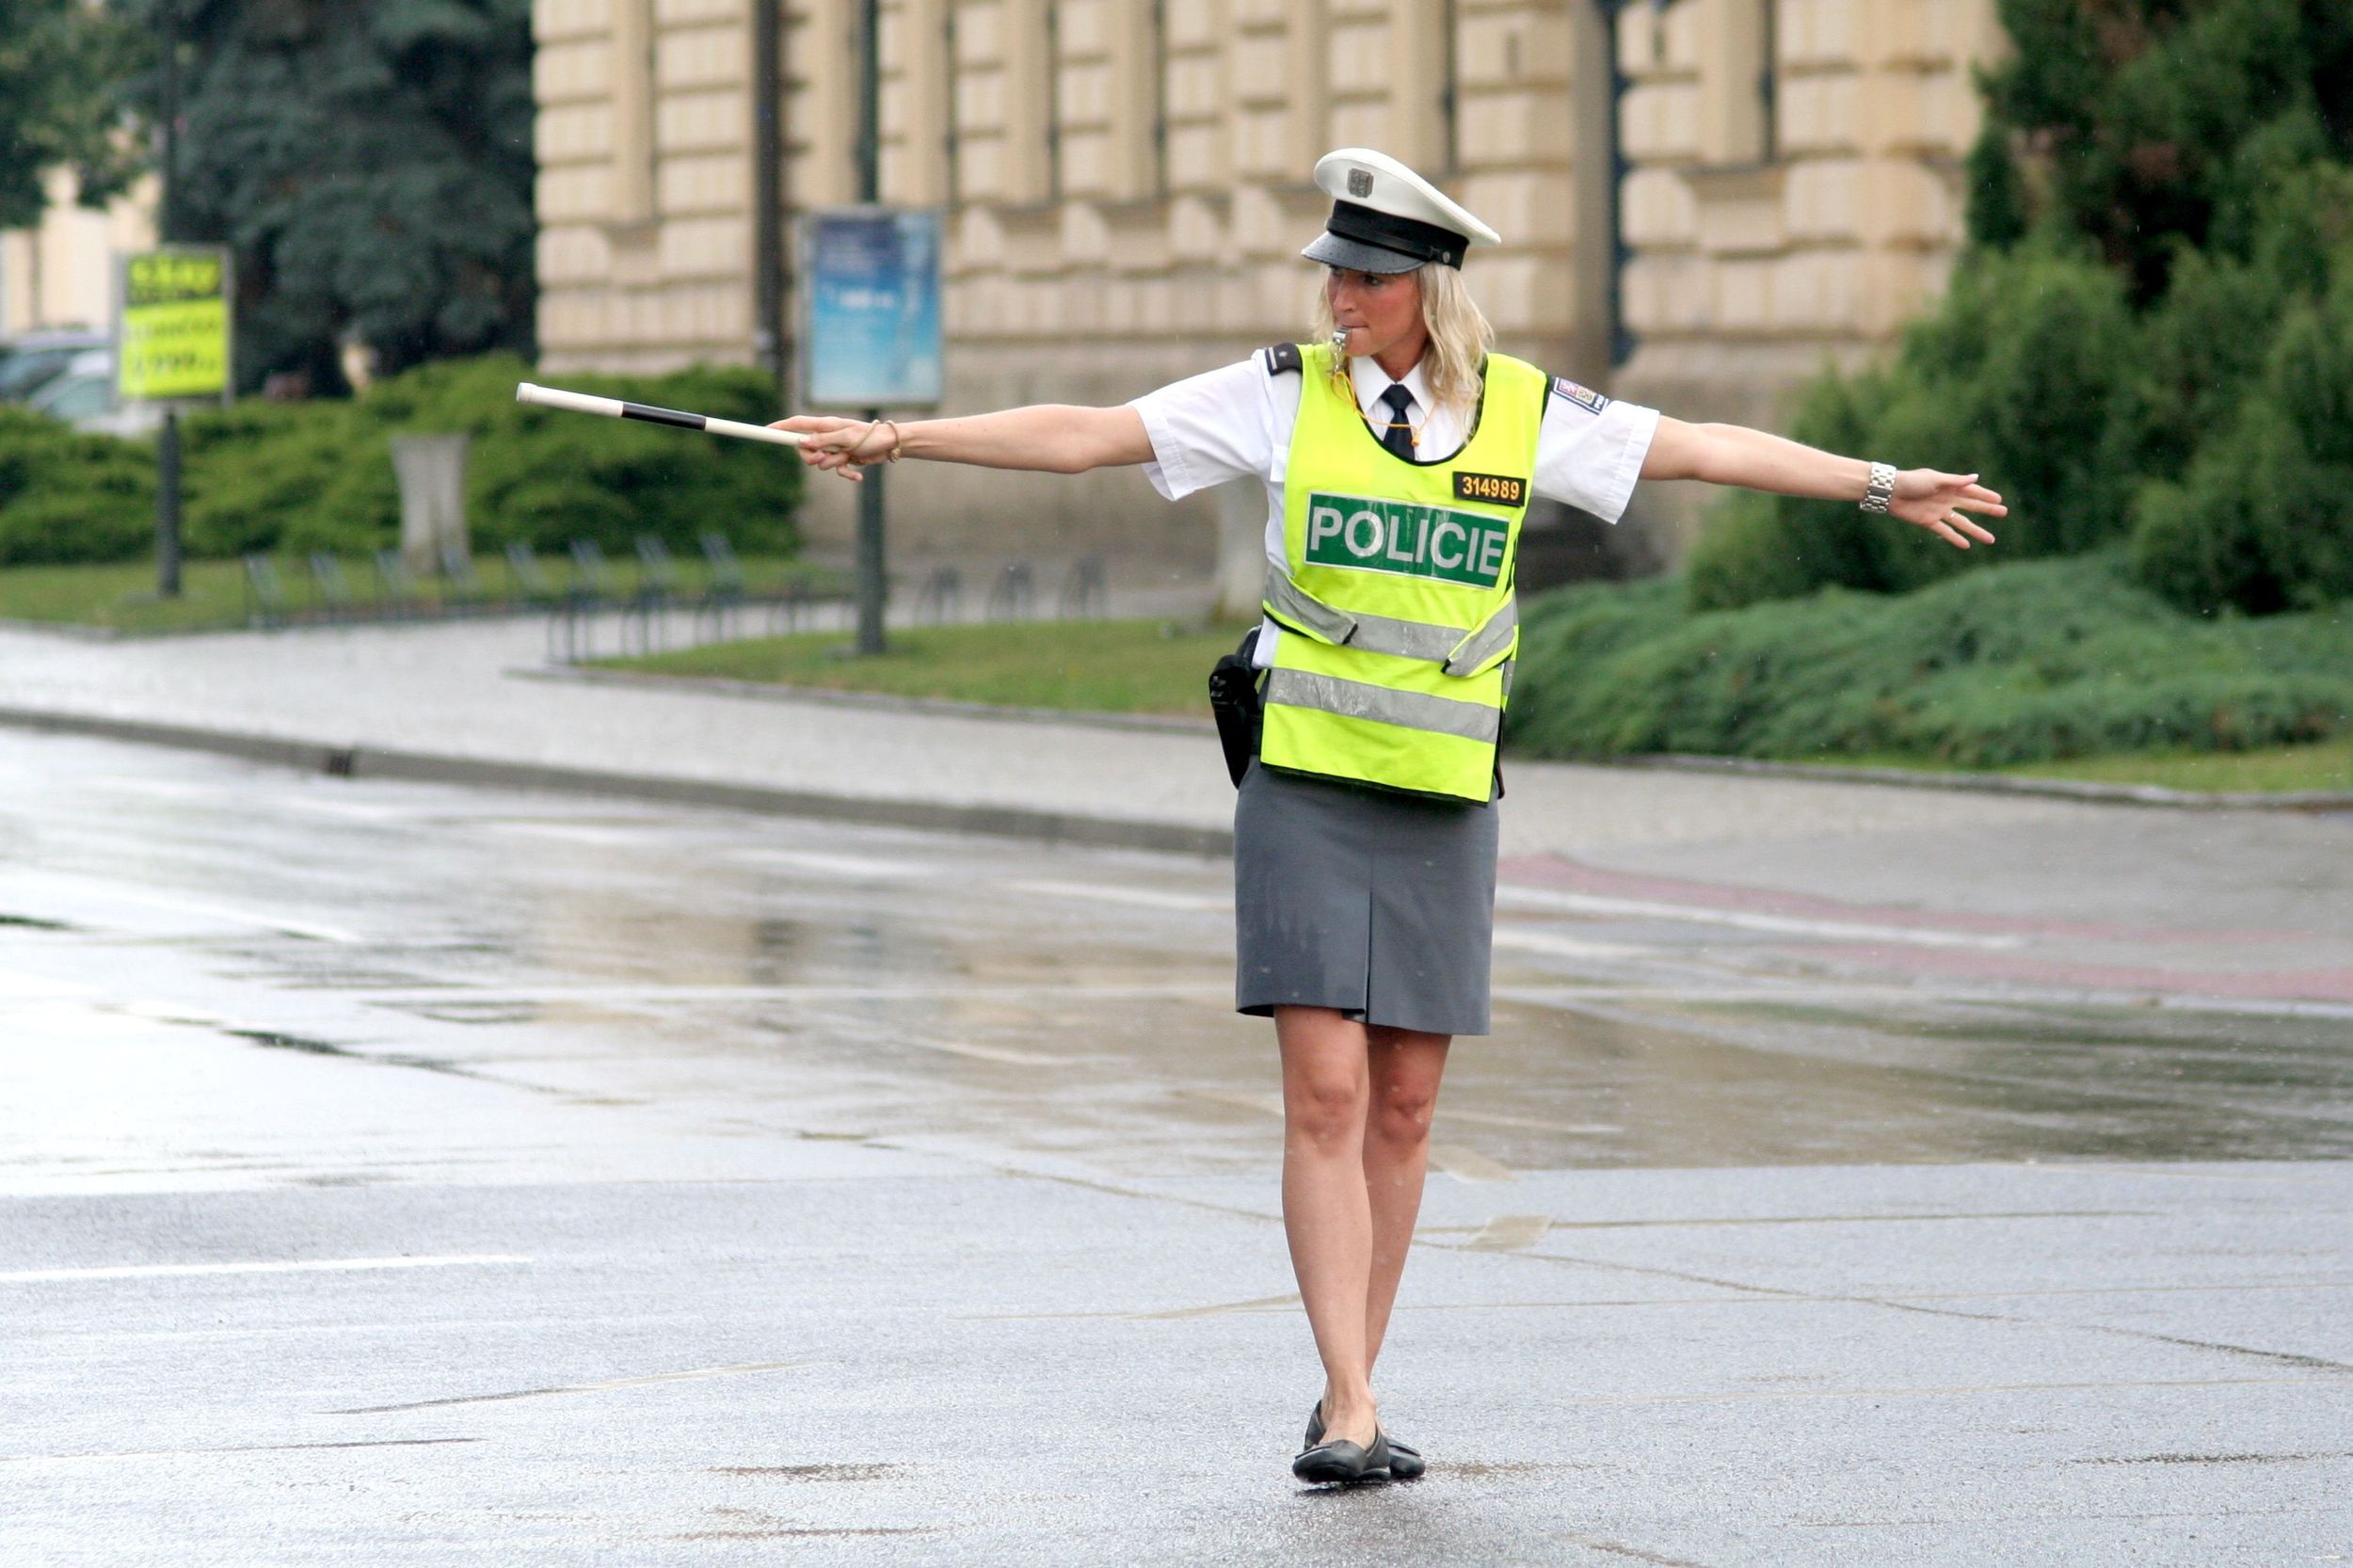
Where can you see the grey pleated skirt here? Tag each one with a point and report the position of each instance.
(1379, 904)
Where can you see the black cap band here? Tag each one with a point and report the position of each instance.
(1424, 242)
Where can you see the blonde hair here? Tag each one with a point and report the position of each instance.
(1460, 337)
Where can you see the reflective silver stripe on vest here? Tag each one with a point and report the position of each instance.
(1488, 641)
(1357, 699)
(1295, 604)
(1459, 648)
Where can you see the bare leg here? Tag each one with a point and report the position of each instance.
(1406, 1067)
(1326, 1082)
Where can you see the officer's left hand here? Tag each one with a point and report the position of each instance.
(1935, 502)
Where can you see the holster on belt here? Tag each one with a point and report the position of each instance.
(1234, 702)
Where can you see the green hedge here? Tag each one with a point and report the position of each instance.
(319, 475)
(69, 498)
(2015, 664)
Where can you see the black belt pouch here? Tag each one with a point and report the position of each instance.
(1234, 702)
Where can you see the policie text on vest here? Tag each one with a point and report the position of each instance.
(1406, 540)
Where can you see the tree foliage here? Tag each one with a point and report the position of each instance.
(370, 166)
(59, 61)
(2132, 121)
(2150, 339)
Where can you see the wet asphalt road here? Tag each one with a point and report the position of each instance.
(393, 1173)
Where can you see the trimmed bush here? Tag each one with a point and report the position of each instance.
(319, 475)
(2026, 372)
(67, 497)
(2015, 664)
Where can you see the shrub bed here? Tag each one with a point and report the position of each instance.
(319, 475)
(2031, 662)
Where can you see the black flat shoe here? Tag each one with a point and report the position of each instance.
(1340, 1463)
(1405, 1462)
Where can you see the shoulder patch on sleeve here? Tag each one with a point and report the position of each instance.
(1584, 397)
(1281, 358)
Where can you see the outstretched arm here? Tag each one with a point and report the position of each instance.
(1736, 455)
(1051, 438)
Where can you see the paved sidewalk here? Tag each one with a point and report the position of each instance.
(1932, 886)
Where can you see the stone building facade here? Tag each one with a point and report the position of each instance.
(61, 274)
(1701, 199)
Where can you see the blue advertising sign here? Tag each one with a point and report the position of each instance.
(871, 336)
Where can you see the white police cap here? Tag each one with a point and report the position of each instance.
(1387, 219)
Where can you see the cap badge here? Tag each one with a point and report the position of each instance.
(1360, 182)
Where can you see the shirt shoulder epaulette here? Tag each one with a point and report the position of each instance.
(1281, 358)
(1584, 397)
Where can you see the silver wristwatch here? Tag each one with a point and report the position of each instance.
(1882, 490)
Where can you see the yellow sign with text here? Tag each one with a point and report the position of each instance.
(175, 324)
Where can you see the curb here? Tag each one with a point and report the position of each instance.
(762, 691)
(357, 762)
(1902, 778)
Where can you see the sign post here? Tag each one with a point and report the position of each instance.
(174, 347)
(870, 342)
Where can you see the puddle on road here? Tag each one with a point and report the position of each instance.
(973, 999)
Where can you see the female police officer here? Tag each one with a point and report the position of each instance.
(1399, 456)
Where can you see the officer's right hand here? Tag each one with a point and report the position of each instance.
(835, 443)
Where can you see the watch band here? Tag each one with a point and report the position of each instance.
(1880, 490)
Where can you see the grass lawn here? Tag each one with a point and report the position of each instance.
(1143, 666)
(2323, 765)
(122, 596)
(1118, 666)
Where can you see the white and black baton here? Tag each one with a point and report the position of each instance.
(613, 408)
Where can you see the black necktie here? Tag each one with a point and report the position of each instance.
(1399, 434)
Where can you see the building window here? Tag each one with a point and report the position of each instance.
(1053, 100)
(1156, 61)
(951, 127)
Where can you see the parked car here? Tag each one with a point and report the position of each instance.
(83, 395)
(31, 361)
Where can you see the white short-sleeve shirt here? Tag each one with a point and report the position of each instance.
(1236, 421)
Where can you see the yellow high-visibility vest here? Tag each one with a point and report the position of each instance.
(1396, 596)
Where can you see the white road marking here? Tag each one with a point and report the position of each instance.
(342, 810)
(1938, 1390)
(1140, 898)
(693, 1375)
(1464, 1165)
(1510, 1233)
(1490, 1118)
(290, 925)
(576, 833)
(979, 1053)
(1262, 1303)
(171, 1013)
(1513, 897)
(81, 900)
(306, 1266)
(455, 992)
(17, 982)
(1565, 947)
(854, 868)
(1271, 1104)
